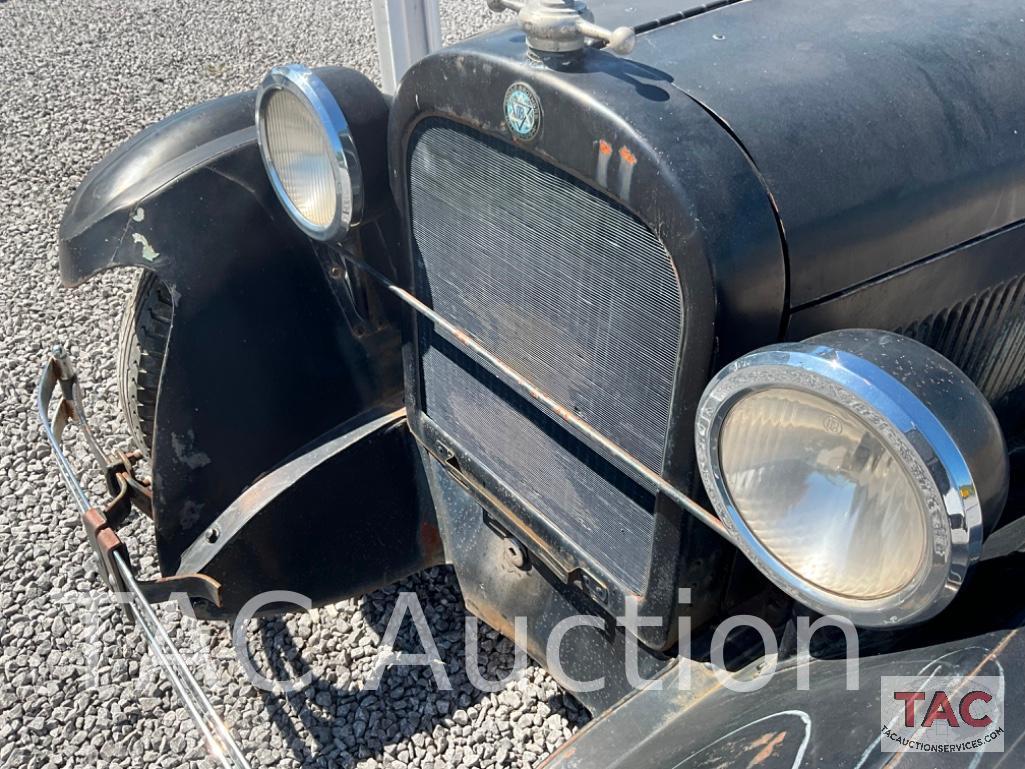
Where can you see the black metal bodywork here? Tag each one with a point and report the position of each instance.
(885, 132)
(807, 168)
(704, 725)
(729, 260)
(738, 190)
(260, 318)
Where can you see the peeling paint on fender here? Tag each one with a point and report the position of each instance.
(148, 253)
(183, 450)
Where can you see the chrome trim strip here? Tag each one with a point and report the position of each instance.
(219, 742)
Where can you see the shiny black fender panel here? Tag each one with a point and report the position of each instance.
(705, 725)
(267, 352)
(96, 231)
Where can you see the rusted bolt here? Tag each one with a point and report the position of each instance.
(514, 553)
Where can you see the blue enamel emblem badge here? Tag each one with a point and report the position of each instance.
(522, 111)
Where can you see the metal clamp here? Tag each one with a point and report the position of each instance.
(100, 525)
(564, 26)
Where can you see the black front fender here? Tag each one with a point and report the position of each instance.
(697, 722)
(97, 230)
(263, 355)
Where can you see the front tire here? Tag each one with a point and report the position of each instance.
(142, 342)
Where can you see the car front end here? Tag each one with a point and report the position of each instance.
(707, 312)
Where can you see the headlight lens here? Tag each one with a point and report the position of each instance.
(823, 493)
(299, 153)
(859, 470)
(309, 152)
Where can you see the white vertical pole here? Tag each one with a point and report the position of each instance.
(407, 30)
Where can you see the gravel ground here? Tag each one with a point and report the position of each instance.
(78, 688)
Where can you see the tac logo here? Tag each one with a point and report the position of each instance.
(942, 714)
(522, 111)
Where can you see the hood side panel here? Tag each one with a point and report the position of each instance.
(886, 130)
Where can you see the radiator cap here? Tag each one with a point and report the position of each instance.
(563, 26)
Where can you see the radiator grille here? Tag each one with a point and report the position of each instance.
(984, 336)
(557, 281)
(588, 500)
(577, 295)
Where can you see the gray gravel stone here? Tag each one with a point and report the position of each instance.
(81, 78)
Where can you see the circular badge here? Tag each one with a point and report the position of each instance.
(522, 111)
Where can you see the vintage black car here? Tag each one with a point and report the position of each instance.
(709, 310)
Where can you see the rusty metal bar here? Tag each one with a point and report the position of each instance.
(475, 350)
(59, 371)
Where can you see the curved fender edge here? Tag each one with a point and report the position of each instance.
(813, 709)
(263, 355)
(95, 233)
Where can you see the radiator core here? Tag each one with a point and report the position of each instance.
(573, 292)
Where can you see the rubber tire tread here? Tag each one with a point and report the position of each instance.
(142, 342)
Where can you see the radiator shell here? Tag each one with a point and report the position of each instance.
(674, 170)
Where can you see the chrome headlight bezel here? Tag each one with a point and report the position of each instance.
(304, 84)
(940, 473)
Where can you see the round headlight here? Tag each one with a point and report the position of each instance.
(309, 152)
(858, 470)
